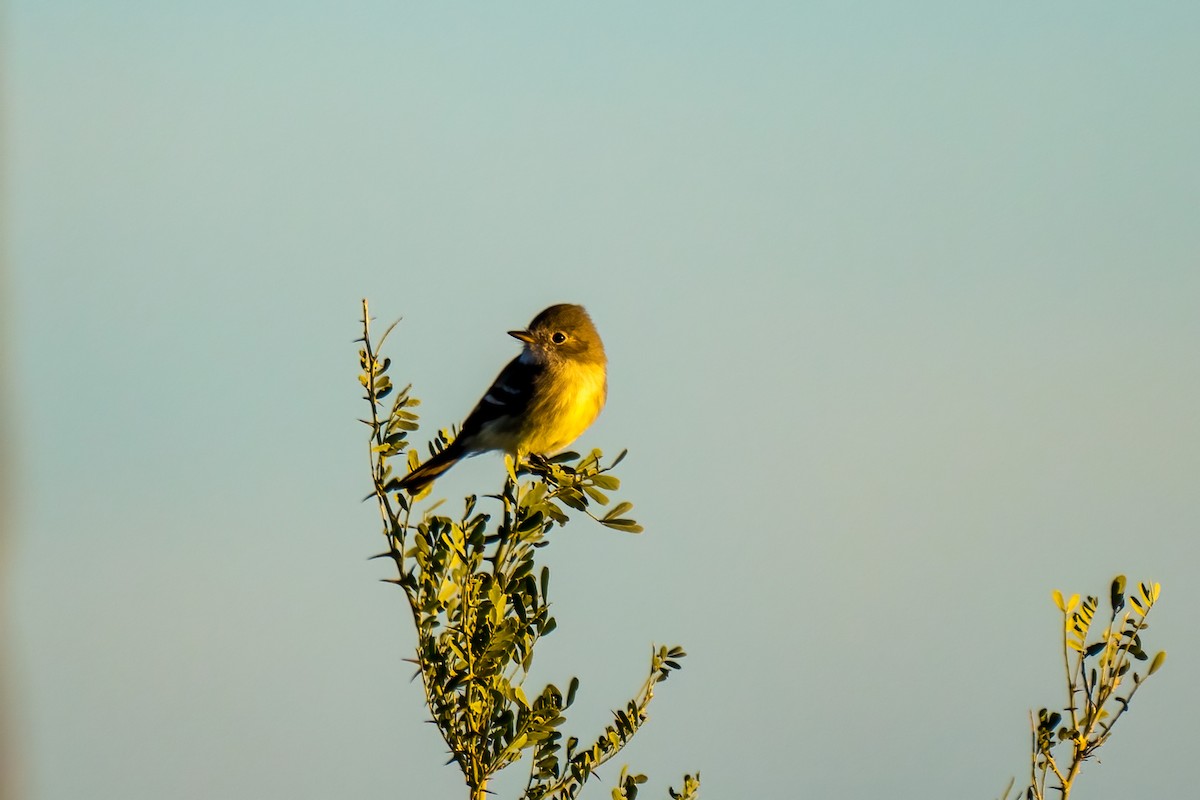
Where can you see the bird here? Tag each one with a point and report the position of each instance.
(540, 403)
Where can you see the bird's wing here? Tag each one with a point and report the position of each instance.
(508, 397)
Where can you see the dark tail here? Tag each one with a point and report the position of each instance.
(432, 469)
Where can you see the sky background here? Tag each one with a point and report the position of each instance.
(902, 307)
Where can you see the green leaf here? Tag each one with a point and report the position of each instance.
(618, 510)
(609, 482)
(573, 498)
(1159, 658)
(596, 495)
(1116, 593)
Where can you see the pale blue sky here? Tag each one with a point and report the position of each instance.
(901, 303)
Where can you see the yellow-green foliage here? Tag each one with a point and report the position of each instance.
(1100, 683)
(479, 604)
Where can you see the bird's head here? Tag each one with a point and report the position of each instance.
(560, 333)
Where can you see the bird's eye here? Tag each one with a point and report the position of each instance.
(559, 337)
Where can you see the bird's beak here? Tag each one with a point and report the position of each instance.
(524, 336)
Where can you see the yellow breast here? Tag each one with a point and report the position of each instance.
(566, 413)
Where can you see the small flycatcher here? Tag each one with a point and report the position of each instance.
(541, 402)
